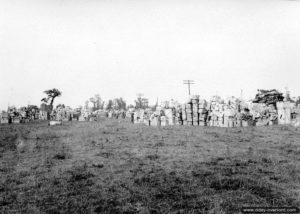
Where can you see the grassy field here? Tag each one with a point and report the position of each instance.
(116, 167)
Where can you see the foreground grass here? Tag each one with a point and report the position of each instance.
(117, 167)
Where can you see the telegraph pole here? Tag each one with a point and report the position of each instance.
(189, 83)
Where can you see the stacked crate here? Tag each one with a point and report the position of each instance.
(163, 121)
(139, 116)
(192, 112)
(184, 115)
(169, 116)
(189, 113)
(284, 110)
(202, 113)
(214, 114)
(4, 117)
(229, 117)
(154, 120)
(16, 119)
(177, 117)
(81, 118)
(195, 107)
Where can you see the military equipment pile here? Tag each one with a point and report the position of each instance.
(268, 108)
(217, 112)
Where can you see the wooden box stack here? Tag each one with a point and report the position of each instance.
(163, 121)
(195, 109)
(81, 118)
(189, 113)
(4, 117)
(169, 116)
(155, 121)
(202, 113)
(194, 112)
(16, 120)
(284, 110)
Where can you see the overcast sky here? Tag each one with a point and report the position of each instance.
(119, 48)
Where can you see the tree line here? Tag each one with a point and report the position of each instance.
(97, 102)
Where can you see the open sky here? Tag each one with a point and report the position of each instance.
(119, 48)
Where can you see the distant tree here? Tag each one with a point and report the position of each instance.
(288, 97)
(32, 107)
(93, 101)
(99, 102)
(130, 106)
(119, 104)
(86, 104)
(60, 106)
(141, 102)
(51, 95)
(109, 105)
(23, 108)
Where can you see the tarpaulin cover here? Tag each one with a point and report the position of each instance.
(268, 96)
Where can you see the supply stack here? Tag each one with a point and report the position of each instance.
(4, 117)
(165, 115)
(268, 96)
(84, 114)
(139, 116)
(229, 119)
(202, 112)
(169, 117)
(14, 115)
(194, 112)
(284, 110)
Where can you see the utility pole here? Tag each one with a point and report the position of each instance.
(189, 83)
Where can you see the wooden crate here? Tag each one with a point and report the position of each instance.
(190, 123)
(189, 111)
(155, 122)
(195, 101)
(4, 120)
(171, 121)
(163, 121)
(245, 123)
(238, 123)
(202, 123)
(16, 120)
(188, 106)
(81, 118)
(195, 123)
(230, 123)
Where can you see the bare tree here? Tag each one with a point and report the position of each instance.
(94, 101)
(141, 102)
(110, 105)
(99, 102)
(51, 95)
(119, 104)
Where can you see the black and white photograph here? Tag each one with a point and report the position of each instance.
(149, 106)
